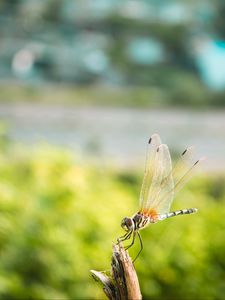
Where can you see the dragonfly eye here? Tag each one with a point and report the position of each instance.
(127, 224)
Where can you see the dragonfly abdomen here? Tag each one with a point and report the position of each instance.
(177, 213)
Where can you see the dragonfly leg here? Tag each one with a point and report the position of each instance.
(133, 239)
(124, 237)
(141, 244)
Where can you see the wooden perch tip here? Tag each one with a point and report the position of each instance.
(123, 283)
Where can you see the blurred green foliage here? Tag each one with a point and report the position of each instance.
(59, 217)
(175, 91)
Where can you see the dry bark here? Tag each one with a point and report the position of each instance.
(123, 283)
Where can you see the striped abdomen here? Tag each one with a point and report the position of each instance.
(177, 213)
(141, 220)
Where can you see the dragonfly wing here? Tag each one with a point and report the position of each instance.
(187, 175)
(183, 164)
(183, 171)
(150, 166)
(162, 183)
(171, 177)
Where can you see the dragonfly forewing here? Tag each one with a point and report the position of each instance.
(150, 166)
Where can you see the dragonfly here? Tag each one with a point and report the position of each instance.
(161, 182)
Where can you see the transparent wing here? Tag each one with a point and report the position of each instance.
(184, 168)
(183, 164)
(174, 174)
(188, 175)
(162, 183)
(182, 172)
(150, 166)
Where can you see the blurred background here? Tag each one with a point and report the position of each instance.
(83, 85)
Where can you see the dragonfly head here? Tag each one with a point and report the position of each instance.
(128, 224)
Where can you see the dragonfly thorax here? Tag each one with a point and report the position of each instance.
(137, 222)
(141, 220)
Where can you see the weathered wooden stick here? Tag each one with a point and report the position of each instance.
(123, 283)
